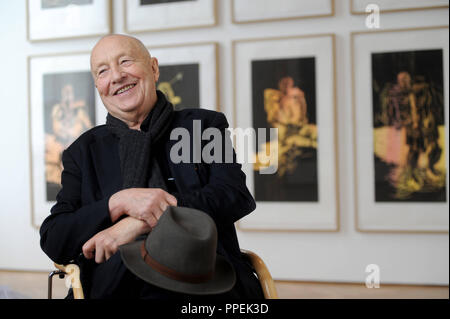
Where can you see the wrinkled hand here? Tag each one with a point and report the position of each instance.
(146, 204)
(106, 243)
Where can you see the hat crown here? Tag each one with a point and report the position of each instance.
(184, 240)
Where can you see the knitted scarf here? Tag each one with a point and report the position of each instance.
(139, 167)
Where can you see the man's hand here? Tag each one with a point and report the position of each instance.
(147, 204)
(105, 243)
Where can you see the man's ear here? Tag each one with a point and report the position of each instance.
(155, 68)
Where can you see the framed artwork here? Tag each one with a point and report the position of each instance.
(189, 74)
(287, 85)
(400, 109)
(246, 11)
(359, 6)
(155, 15)
(59, 19)
(63, 103)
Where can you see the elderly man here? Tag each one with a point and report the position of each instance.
(118, 179)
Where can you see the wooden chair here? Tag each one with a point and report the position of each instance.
(265, 279)
(73, 273)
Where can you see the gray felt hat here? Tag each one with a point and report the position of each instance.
(179, 254)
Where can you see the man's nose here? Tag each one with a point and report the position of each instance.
(117, 75)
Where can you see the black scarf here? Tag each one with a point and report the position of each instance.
(138, 165)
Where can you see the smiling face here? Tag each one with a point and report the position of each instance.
(125, 76)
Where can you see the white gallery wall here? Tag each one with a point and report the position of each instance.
(407, 258)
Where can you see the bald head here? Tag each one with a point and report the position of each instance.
(111, 40)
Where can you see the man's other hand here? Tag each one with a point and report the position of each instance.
(106, 243)
(146, 204)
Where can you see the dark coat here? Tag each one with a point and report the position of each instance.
(92, 175)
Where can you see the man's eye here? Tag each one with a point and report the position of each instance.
(102, 71)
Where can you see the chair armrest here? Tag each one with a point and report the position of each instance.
(73, 273)
(263, 273)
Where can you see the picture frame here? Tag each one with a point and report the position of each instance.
(400, 114)
(359, 6)
(62, 104)
(52, 20)
(189, 74)
(272, 77)
(248, 11)
(157, 15)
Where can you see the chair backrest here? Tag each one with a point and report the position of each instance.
(265, 279)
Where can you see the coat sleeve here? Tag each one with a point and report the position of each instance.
(224, 194)
(70, 223)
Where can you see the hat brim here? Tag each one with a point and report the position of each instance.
(223, 280)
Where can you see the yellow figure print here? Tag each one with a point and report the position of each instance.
(166, 88)
(286, 110)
